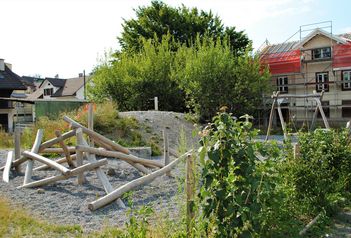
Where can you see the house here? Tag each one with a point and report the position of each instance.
(318, 62)
(9, 83)
(61, 89)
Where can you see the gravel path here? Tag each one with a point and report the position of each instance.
(65, 202)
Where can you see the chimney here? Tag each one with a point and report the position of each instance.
(2, 65)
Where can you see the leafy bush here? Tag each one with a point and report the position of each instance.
(212, 76)
(135, 79)
(322, 172)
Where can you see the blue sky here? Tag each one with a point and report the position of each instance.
(49, 37)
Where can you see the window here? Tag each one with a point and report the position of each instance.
(321, 53)
(346, 78)
(346, 108)
(326, 109)
(282, 84)
(322, 82)
(48, 91)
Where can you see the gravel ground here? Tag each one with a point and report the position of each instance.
(65, 202)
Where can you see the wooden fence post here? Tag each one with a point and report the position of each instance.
(190, 194)
(166, 150)
(91, 122)
(156, 103)
(79, 154)
(17, 147)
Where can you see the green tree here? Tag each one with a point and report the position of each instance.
(135, 79)
(212, 77)
(182, 23)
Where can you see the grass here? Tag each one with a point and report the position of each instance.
(15, 222)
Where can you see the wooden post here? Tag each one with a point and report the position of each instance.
(282, 122)
(274, 96)
(6, 174)
(319, 105)
(35, 149)
(190, 194)
(296, 150)
(166, 150)
(17, 147)
(65, 150)
(79, 155)
(91, 122)
(156, 103)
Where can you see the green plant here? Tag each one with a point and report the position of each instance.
(230, 184)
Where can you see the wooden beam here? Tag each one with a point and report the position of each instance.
(110, 197)
(54, 141)
(282, 122)
(74, 172)
(274, 96)
(96, 135)
(317, 95)
(59, 161)
(166, 150)
(6, 174)
(79, 136)
(35, 149)
(17, 147)
(101, 175)
(119, 155)
(91, 122)
(71, 149)
(65, 150)
(46, 161)
(190, 194)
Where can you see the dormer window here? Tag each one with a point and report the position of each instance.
(48, 91)
(321, 53)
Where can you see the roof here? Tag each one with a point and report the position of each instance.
(10, 80)
(294, 45)
(56, 82)
(70, 87)
(31, 81)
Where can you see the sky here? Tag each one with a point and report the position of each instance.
(65, 37)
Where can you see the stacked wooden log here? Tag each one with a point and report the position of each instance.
(81, 159)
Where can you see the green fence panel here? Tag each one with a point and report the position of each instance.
(52, 109)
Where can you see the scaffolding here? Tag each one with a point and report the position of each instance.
(291, 59)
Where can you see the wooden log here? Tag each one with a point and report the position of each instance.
(316, 112)
(56, 140)
(48, 162)
(133, 184)
(190, 194)
(35, 149)
(74, 172)
(119, 155)
(166, 150)
(282, 122)
(309, 225)
(79, 136)
(71, 149)
(317, 95)
(101, 175)
(65, 150)
(96, 135)
(17, 147)
(271, 114)
(59, 161)
(319, 105)
(6, 174)
(296, 150)
(91, 122)
(138, 166)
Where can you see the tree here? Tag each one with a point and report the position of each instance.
(212, 77)
(135, 79)
(182, 23)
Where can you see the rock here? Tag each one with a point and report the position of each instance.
(111, 172)
(40, 191)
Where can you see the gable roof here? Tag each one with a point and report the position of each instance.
(10, 80)
(294, 45)
(70, 87)
(320, 32)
